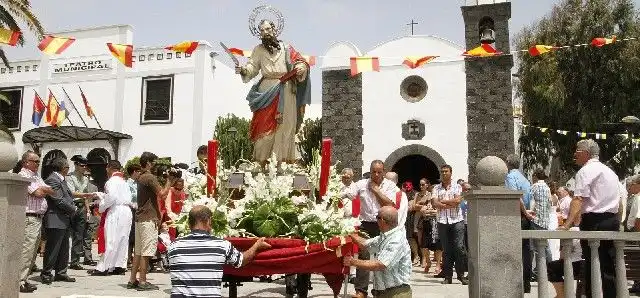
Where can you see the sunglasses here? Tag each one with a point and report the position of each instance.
(37, 161)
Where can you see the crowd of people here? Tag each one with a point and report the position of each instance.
(403, 226)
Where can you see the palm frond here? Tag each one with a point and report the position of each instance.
(5, 129)
(5, 99)
(4, 59)
(21, 9)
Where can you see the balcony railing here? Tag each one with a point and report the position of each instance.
(566, 242)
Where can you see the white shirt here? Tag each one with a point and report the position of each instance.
(448, 215)
(634, 211)
(369, 205)
(564, 205)
(598, 185)
(403, 208)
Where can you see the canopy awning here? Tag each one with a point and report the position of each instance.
(49, 134)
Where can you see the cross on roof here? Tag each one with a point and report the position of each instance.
(411, 24)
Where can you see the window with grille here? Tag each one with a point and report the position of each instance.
(157, 100)
(11, 113)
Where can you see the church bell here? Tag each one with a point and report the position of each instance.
(487, 33)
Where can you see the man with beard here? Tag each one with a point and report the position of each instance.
(278, 99)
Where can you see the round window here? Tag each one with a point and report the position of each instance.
(413, 88)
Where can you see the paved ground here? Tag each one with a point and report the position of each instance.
(424, 286)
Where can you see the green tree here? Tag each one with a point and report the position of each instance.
(310, 138)
(233, 134)
(14, 11)
(580, 88)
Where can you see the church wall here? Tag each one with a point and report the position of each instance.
(443, 111)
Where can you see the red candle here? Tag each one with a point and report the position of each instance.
(212, 169)
(325, 164)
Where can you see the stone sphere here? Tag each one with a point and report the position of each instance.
(491, 171)
(8, 156)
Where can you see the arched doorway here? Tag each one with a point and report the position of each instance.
(415, 167)
(46, 162)
(414, 162)
(98, 159)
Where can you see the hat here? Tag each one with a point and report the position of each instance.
(79, 159)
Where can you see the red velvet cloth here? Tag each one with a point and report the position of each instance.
(264, 121)
(102, 242)
(287, 256)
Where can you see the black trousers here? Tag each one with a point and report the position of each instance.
(56, 252)
(606, 251)
(525, 224)
(79, 236)
(453, 250)
(362, 276)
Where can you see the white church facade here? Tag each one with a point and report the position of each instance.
(167, 102)
(413, 119)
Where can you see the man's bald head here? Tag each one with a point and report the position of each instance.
(389, 215)
(199, 216)
(393, 176)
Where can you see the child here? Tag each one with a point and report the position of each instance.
(164, 240)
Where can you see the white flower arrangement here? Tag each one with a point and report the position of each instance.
(271, 207)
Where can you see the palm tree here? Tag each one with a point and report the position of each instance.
(12, 11)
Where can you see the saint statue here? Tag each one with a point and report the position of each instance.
(279, 97)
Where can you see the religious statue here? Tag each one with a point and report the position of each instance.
(279, 97)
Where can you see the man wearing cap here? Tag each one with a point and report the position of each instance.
(79, 184)
(595, 208)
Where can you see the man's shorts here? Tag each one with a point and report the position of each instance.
(146, 238)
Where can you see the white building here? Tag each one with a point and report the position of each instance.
(423, 109)
(167, 102)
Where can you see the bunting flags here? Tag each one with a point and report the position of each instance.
(123, 52)
(9, 37)
(484, 50)
(417, 61)
(87, 107)
(601, 41)
(185, 47)
(311, 60)
(51, 45)
(580, 134)
(239, 52)
(51, 116)
(540, 49)
(38, 109)
(364, 64)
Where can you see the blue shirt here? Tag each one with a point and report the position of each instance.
(391, 249)
(516, 181)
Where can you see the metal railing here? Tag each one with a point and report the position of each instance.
(566, 242)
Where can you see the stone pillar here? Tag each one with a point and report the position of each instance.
(489, 92)
(342, 117)
(495, 246)
(13, 190)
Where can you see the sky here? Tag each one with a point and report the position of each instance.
(311, 26)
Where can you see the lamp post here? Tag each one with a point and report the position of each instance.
(631, 123)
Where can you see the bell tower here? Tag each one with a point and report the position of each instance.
(489, 91)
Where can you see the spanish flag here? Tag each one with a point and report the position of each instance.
(9, 37)
(541, 49)
(55, 45)
(601, 41)
(239, 52)
(417, 61)
(185, 47)
(51, 116)
(311, 60)
(484, 50)
(123, 52)
(364, 64)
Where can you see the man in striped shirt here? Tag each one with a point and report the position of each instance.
(196, 260)
(446, 198)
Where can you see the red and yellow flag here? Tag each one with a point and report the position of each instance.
(541, 49)
(123, 52)
(484, 50)
(601, 41)
(417, 61)
(87, 107)
(185, 47)
(364, 64)
(311, 60)
(239, 52)
(55, 45)
(9, 37)
(51, 116)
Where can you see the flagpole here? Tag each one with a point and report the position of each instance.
(54, 98)
(74, 107)
(95, 117)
